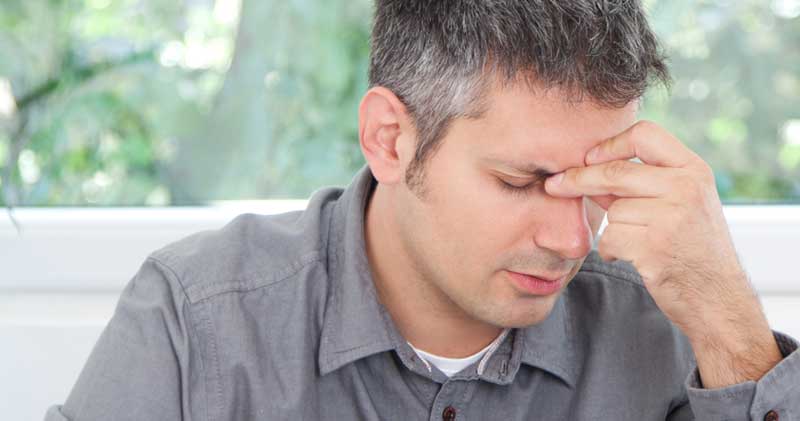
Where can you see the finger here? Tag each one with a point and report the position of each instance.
(644, 140)
(619, 178)
(636, 211)
(621, 241)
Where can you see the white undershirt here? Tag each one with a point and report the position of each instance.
(450, 366)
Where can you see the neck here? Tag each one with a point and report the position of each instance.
(424, 315)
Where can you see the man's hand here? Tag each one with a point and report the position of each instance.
(665, 217)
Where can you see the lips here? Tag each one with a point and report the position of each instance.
(534, 285)
(548, 278)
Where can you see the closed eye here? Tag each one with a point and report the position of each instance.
(519, 189)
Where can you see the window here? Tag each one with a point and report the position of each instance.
(156, 102)
(163, 107)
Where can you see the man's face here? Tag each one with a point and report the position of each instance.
(469, 229)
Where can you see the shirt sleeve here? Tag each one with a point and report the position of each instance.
(775, 396)
(138, 365)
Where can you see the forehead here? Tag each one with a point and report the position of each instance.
(542, 127)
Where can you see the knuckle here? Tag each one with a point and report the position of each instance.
(576, 176)
(616, 169)
(691, 188)
(646, 125)
(642, 127)
(706, 173)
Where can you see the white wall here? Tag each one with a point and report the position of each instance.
(61, 276)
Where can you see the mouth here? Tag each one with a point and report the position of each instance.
(547, 278)
(537, 284)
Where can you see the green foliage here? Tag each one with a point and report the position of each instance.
(737, 71)
(156, 102)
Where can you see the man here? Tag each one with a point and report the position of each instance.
(455, 277)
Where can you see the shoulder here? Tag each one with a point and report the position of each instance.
(609, 303)
(611, 290)
(623, 339)
(609, 287)
(251, 250)
(617, 271)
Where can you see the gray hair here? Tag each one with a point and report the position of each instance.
(440, 56)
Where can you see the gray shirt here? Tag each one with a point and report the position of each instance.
(276, 317)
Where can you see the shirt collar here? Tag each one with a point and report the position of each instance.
(549, 345)
(357, 325)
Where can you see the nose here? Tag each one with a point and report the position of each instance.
(564, 228)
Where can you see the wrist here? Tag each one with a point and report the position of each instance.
(726, 357)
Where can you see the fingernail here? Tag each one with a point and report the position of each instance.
(556, 179)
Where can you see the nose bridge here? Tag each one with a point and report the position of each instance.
(565, 228)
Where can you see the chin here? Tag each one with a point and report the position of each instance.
(529, 321)
(525, 315)
(528, 314)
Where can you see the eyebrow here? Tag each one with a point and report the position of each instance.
(526, 168)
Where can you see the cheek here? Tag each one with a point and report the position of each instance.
(485, 221)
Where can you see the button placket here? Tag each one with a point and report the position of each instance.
(445, 404)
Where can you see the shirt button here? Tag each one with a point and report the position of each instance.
(449, 414)
(771, 416)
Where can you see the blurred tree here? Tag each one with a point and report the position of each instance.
(158, 102)
(737, 71)
(76, 127)
(284, 121)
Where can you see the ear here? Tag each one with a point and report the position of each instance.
(386, 135)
